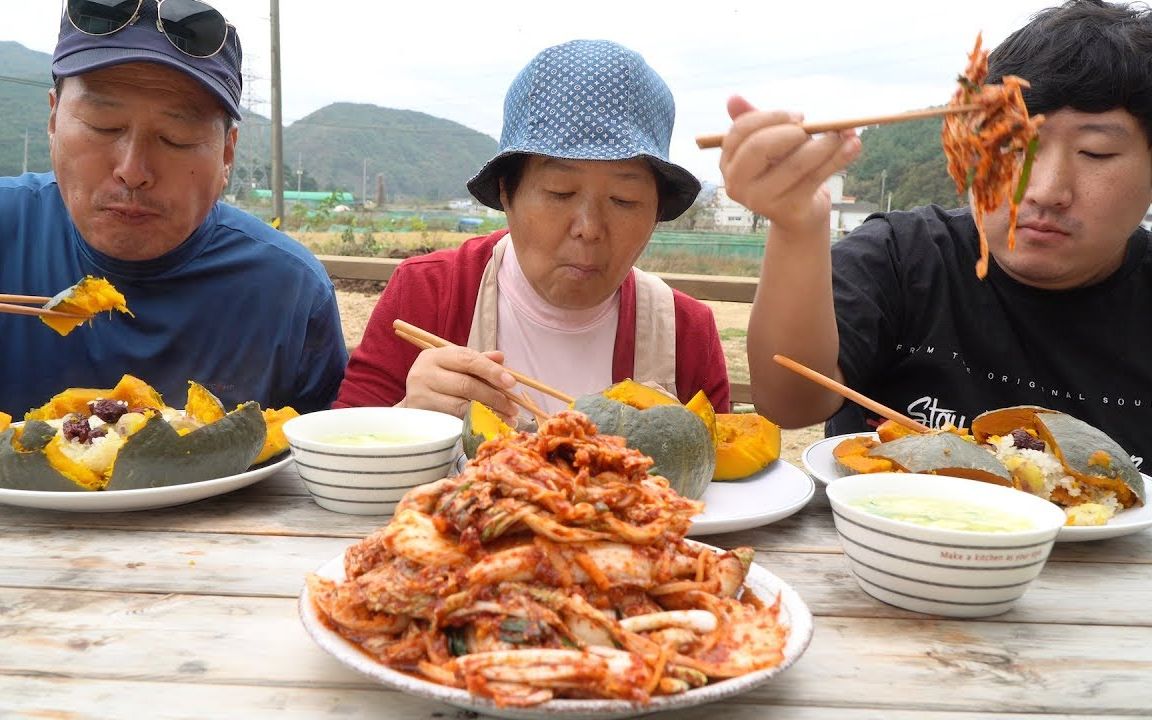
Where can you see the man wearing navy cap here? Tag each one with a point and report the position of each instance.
(142, 132)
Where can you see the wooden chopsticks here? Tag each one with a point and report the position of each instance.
(423, 339)
(844, 391)
(24, 299)
(15, 305)
(714, 141)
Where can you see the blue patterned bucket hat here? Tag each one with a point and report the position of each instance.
(590, 100)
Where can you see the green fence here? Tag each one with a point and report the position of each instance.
(710, 244)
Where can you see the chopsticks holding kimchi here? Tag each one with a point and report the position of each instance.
(552, 566)
(990, 151)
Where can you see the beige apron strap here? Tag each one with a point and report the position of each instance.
(482, 335)
(655, 332)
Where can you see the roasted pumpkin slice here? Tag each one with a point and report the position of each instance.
(943, 453)
(481, 424)
(702, 407)
(130, 389)
(202, 405)
(748, 443)
(156, 455)
(676, 439)
(1087, 453)
(639, 395)
(890, 430)
(85, 299)
(274, 441)
(852, 453)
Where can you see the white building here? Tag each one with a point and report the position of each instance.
(730, 216)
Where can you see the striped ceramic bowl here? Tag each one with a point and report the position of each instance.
(957, 566)
(363, 460)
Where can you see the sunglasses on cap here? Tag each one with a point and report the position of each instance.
(195, 28)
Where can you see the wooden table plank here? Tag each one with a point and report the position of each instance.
(46, 697)
(986, 666)
(275, 566)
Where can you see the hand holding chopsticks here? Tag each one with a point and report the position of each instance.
(424, 339)
(714, 141)
(18, 305)
(846, 392)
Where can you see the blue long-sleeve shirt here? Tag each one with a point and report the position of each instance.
(239, 307)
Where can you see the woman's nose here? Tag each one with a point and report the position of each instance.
(589, 220)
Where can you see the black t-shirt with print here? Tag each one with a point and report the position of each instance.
(921, 334)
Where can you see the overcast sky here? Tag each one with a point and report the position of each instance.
(455, 59)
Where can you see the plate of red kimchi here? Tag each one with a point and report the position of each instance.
(566, 588)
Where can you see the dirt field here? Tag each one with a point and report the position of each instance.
(357, 300)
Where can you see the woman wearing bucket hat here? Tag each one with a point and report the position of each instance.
(582, 173)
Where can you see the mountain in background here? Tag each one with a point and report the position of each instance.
(345, 147)
(904, 161)
(348, 146)
(412, 156)
(25, 78)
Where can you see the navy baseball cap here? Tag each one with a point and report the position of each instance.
(590, 100)
(78, 52)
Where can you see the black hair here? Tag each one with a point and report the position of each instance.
(1086, 55)
(510, 169)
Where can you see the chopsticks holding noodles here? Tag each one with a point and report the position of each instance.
(844, 391)
(714, 141)
(423, 339)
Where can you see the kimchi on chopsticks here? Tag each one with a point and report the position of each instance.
(990, 150)
(552, 566)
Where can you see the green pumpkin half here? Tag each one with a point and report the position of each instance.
(23, 465)
(154, 456)
(1086, 452)
(674, 437)
(943, 453)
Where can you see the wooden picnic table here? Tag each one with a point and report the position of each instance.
(191, 612)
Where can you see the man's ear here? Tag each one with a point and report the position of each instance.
(52, 103)
(230, 139)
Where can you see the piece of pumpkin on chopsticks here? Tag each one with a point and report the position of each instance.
(85, 299)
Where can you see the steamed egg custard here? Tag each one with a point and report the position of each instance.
(368, 439)
(942, 513)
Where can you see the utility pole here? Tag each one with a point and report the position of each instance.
(25, 151)
(299, 173)
(277, 119)
(364, 184)
(883, 181)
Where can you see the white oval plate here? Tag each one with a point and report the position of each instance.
(763, 583)
(774, 493)
(820, 462)
(141, 499)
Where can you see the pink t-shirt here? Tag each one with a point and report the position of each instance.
(571, 350)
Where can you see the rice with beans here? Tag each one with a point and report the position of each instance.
(1040, 472)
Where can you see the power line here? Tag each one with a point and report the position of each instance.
(24, 81)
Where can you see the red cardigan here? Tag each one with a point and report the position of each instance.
(437, 292)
